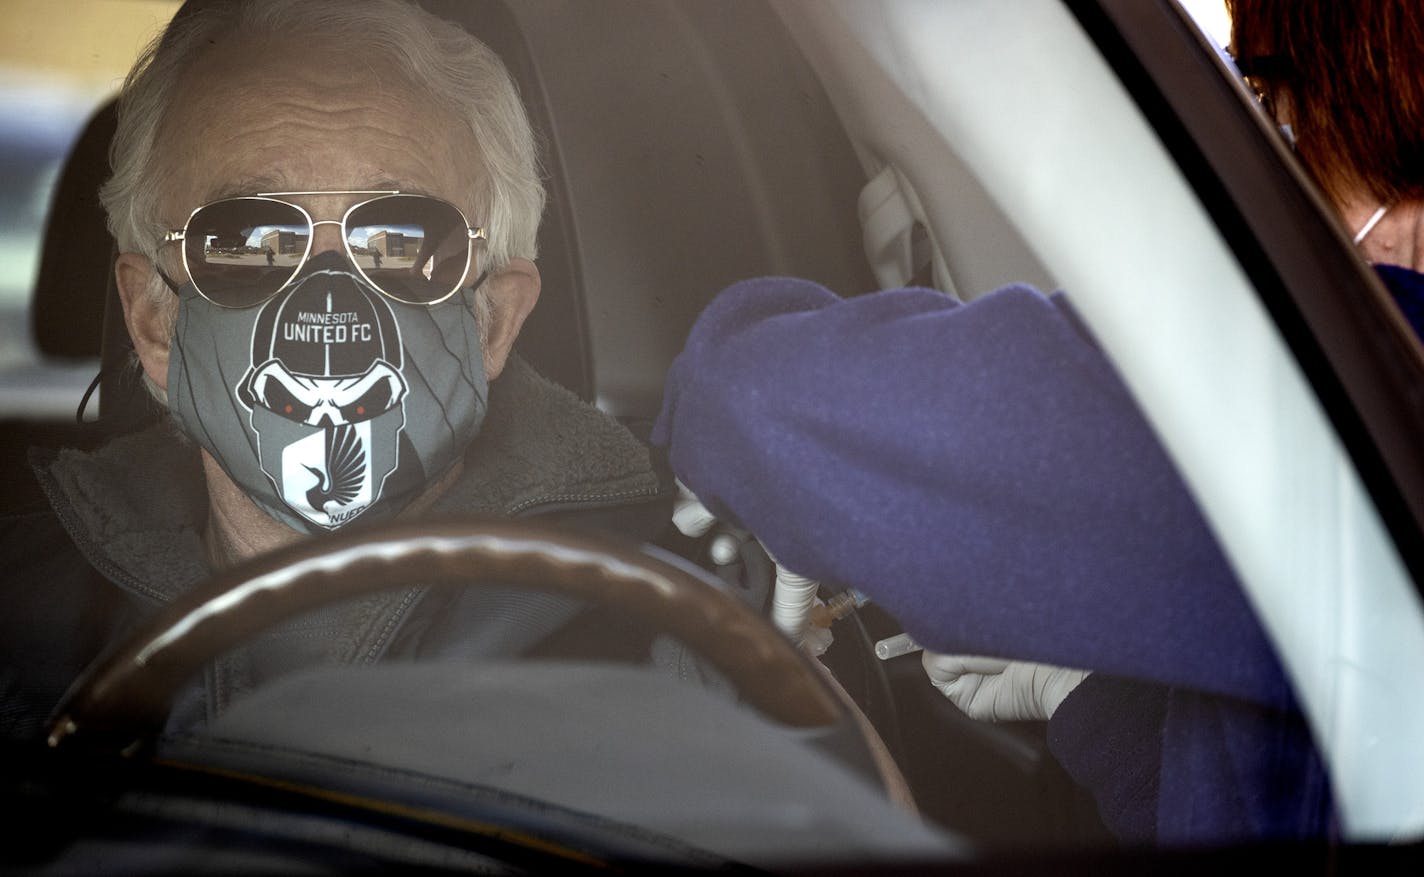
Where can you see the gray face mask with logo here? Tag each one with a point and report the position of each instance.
(329, 403)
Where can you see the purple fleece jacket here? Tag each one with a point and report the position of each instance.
(981, 472)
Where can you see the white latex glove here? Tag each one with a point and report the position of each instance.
(995, 690)
(689, 515)
(792, 598)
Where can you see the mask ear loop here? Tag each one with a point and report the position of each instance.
(84, 402)
(94, 384)
(1370, 224)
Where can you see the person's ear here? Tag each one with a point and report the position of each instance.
(512, 295)
(146, 319)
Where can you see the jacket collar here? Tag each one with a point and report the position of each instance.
(137, 506)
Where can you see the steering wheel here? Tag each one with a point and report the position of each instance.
(121, 702)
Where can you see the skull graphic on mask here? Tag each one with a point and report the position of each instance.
(325, 393)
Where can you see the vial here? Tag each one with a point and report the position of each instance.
(895, 646)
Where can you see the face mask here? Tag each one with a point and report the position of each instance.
(329, 403)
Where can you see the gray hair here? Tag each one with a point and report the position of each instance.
(461, 74)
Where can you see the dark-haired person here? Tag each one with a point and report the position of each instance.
(308, 389)
(1347, 80)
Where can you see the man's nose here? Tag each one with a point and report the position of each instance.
(326, 237)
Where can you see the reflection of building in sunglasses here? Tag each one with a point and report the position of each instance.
(241, 251)
(284, 243)
(393, 243)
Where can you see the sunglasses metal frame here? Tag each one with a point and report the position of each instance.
(472, 233)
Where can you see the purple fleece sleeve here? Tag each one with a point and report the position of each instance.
(1177, 768)
(978, 469)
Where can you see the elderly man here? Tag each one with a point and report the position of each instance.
(265, 151)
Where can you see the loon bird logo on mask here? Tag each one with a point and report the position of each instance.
(328, 402)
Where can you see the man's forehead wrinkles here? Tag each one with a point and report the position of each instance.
(277, 185)
(255, 163)
(326, 193)
(301, 140)
(275, 129)
(249, 185)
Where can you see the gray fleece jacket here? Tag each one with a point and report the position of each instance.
(122, 536)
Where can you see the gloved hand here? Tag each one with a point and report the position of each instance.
(689, 515)
(995, 690)
(793, 595)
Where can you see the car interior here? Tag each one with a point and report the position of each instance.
(687, 146)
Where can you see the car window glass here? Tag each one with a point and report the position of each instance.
(1211, 17)
(59, 61)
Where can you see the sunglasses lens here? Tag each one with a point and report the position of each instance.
(240, 251)
(415, 248)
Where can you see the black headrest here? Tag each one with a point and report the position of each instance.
(67, 314)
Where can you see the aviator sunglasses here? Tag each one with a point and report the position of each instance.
(241, 251)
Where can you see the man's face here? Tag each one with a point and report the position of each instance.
(313, 375)
(295, 115)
